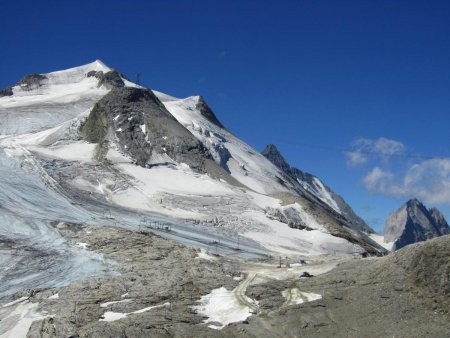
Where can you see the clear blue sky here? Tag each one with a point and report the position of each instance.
(293, 73)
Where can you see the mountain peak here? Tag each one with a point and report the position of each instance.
(272, 153)
(207, 112)
(414, 202)
(271, 148)
(412, 223)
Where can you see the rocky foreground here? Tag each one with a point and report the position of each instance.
(158, 283)
(405, 294)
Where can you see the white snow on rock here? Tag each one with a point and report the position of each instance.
(307, 218)
(82, 245)
(115, 302)
(279, 238)
(203, 254)
(318, 189)
(14, 302)
(110, 316)
(16, 322)
(76, 151)
(295, 296)
(379, 239)
(223, 307)
(62, 96)
(324, 195)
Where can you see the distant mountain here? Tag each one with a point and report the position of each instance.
(412, 223)
(305, 182)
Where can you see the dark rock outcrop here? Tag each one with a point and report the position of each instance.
(138, 122)
(32, 81)
(111, 79)
(6, 92)
(307, 184)
(207, 112)
(412, 223)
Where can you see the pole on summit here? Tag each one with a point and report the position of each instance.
(138, 78)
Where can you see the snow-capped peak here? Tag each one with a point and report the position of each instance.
(76, 74)
(55, 97)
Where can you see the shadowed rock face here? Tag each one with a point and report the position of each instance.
(207, 112)
(32, 81)
(412, 223)
(138, 122)
(6, 92)
(295, 176)
(110, 79)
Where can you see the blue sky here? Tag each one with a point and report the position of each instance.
(317, 78)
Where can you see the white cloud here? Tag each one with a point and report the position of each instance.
(355, 158)
(428, 180)
(382, 181)
(382, 148)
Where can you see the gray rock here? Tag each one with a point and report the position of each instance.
(405, 294)
(138, 122)
(111, 79)
(6, 92)
(207, 112)
(32, 81)
(413, 223)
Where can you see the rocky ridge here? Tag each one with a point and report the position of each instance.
(310, 186)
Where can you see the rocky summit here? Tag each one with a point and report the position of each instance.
(413, 223)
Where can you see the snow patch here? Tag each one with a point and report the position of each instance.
(380, 240)
(203, 254)
(142, 126)
(115, 302)
(111, 316)
(222, 306)
(16, 323)
(21, 299)
(82, 245)
(295, 296)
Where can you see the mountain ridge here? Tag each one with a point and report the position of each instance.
(307, 182)
(132, 147)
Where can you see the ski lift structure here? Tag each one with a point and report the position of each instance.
(146, 223)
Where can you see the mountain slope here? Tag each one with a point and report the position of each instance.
(412, 223)
(133, 151)
(305, 182)
(138, 122)
(242, 162)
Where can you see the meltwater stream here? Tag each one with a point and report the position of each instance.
(32, 253)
